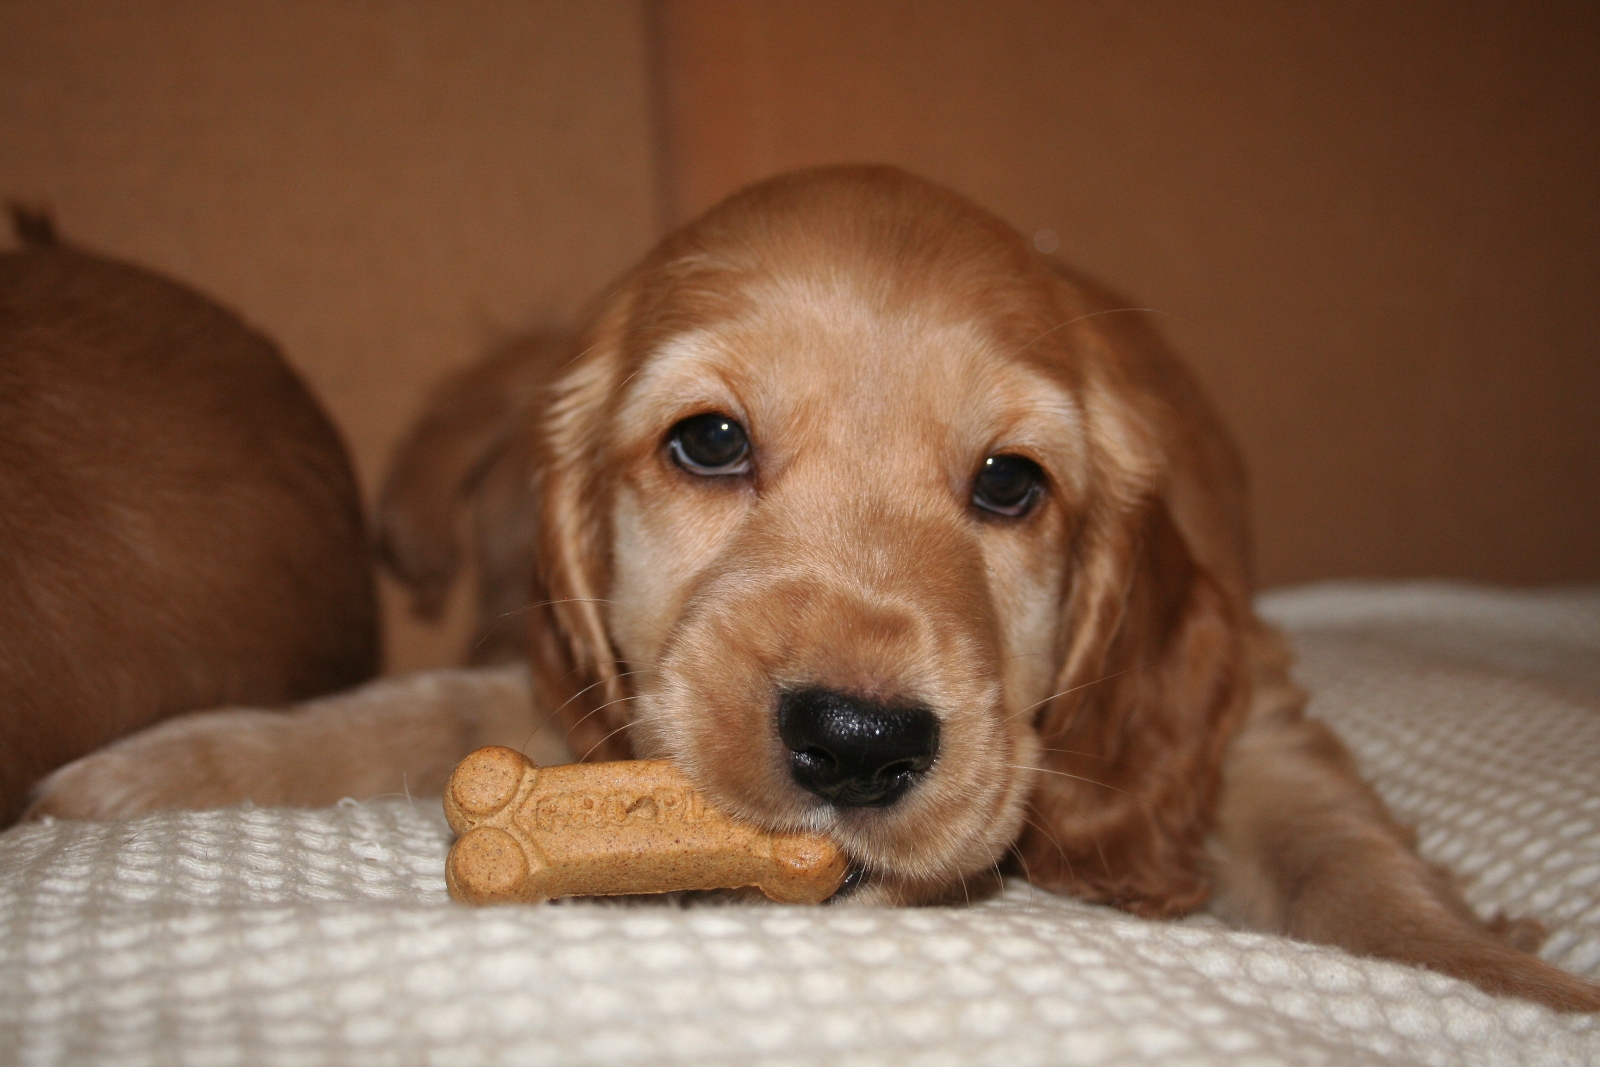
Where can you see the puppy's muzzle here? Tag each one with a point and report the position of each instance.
(854, 752)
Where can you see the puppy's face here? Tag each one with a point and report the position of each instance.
(841, 481)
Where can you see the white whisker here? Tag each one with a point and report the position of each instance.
(602, 707)
(1064, 774)
(1074, 689)
(1080, 318)
(603, 740)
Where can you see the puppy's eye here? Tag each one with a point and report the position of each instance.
(1007, 485)
(711, 445)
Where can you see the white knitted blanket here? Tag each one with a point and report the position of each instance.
(257, 936)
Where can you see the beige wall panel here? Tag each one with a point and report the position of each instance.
(384, 187)
(1371, 227)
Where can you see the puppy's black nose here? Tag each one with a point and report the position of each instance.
(853, 752)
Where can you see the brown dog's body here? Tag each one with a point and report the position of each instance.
(179, 525)
(967, 492)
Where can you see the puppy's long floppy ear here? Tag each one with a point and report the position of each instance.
(1152, 683)
(576, 674)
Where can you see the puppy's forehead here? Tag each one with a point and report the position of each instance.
(814, 356)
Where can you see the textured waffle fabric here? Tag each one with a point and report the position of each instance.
(267, 936)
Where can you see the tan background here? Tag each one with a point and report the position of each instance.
(1371, 227)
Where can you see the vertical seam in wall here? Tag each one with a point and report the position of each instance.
(664, 185)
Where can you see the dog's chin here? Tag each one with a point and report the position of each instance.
(945, 842)
(915, 857)
(886, 889)
(874, 881)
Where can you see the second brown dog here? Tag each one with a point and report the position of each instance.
(179, 524)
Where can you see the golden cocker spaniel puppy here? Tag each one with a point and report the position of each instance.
(882, 524)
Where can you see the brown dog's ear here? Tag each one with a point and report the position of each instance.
(1150, 691)
(437, 470)
(519, 438)
(576, 673)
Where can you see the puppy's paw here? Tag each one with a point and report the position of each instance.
(1511, 972)
(1494, 956)
(100, 786)
(192, 762)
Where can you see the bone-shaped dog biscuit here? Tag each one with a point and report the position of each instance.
(530, 833)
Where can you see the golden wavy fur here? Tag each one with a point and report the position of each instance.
(1112, 719)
